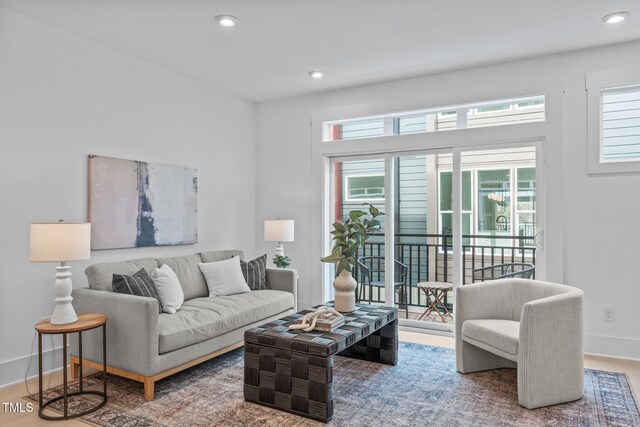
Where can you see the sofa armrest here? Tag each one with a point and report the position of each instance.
(132, 329)
(284, 279)
(550, 349)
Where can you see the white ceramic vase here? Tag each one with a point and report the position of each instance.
(345, 286)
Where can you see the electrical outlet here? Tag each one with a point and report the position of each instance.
(608, 314)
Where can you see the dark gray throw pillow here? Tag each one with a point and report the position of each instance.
(255, 273)
(140, 284)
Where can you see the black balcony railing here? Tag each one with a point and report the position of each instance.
(429, 257)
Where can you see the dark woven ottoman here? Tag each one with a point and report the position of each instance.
(293, 370)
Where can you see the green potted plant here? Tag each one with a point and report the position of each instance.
(348, 237)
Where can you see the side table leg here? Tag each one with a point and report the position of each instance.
(64, 376)
(40, 373)
(80, 357)
(104, 360)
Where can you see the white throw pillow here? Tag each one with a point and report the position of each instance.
(224, 277)
(168, 288)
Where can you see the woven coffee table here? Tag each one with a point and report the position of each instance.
(293, 370)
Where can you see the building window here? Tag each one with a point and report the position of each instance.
(613, 121)
(361, 188)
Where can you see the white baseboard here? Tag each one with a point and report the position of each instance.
(13, 371)
(616, 347)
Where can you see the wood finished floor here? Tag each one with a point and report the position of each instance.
(14, 393)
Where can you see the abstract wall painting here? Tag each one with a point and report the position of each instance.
(137, 204)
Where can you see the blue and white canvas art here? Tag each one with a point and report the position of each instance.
(137, 204)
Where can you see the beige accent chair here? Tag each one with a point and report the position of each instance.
(530, 325)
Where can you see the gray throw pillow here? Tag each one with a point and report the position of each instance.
(255, 273)
(139, 284)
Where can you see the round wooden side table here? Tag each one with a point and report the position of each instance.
(85, 322)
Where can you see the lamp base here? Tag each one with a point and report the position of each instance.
(64, 312)
(279, 249)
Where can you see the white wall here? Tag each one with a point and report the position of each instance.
(63, 97)
(592, 227)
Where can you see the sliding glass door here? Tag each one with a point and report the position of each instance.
(451, 218)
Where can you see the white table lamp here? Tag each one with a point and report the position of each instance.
(61, 242)
(279, 230)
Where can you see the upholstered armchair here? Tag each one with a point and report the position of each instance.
(530, 325)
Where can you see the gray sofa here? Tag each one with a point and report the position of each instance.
(146, 346)
(530, 325)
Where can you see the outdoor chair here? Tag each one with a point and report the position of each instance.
(520, 270)
(372, 272)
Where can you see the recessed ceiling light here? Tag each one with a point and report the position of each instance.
(227, 20)
(316, 74)
(614, 18)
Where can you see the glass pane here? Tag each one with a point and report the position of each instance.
(446, 223)
(494, 199)
(466, 190)
(621, 124)
(526, 189)
(364, 129)
(354, 182)
(466, 228)
(446, 187)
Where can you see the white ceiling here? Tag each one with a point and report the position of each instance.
(268, 54)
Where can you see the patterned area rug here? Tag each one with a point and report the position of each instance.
(424, 389)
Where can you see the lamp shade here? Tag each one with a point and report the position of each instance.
(59, 242)
(279, 230)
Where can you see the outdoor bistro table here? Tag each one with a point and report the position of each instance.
(293, 370)
(435, 292)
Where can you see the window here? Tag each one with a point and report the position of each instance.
(613, 121)
(481, 114)
(364, 187)
(620, 131)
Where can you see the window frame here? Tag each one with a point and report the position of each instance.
(595, 83)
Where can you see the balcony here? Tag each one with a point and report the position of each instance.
(429, 258)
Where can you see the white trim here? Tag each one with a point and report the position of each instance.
(13, 371)
(389, 231)
(625, 348)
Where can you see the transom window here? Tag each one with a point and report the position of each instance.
(481, 114)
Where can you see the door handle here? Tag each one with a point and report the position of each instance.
(538, 239)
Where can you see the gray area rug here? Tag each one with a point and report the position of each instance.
(423, 389)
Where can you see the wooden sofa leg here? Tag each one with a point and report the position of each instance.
(149, 386)
(75, 367)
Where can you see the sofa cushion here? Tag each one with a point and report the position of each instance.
(201, 319)
(224, 277)
(495, 333)
(255, 273)
(139, 284)
(189, 275)
(168, 288)
(100, 276)
(213, 256)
